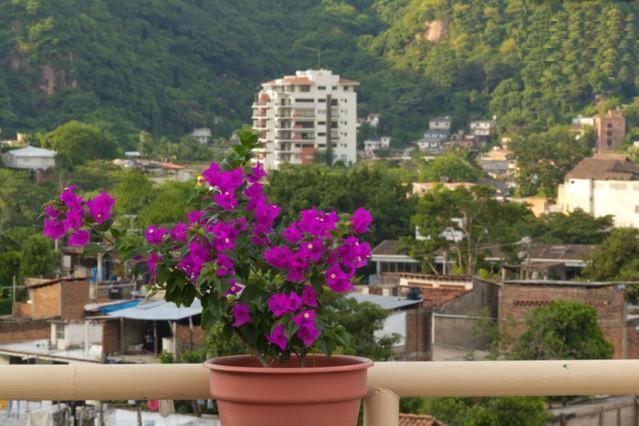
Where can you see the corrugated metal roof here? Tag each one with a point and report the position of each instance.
(388, 303)
(31, 151)
(158, 310)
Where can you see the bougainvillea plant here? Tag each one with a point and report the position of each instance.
(259, 278)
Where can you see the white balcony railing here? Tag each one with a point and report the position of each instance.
(387, 382)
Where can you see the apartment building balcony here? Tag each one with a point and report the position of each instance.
(387, 382)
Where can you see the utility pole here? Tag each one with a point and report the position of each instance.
(13, 285)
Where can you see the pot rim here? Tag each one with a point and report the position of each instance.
(225, 364)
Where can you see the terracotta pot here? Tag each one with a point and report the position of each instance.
(327, 392)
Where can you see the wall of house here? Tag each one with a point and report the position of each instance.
(418, 328)
(22, 310)
(111, 337)
(75, 294)
(188, 338)
(23, 330)
(618, 198)
(46, 301)
(517, 300)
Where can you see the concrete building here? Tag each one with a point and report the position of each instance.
(302, 115)
(606, 184)
(374, 144)
(482, 128)
(29, 158)
(202, 134)
(440, 123)
(610, 129)
(498, 163)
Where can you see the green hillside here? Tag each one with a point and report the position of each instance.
(167, 66)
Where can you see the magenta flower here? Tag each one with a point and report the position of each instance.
(155, 235)
(178, 233)
(297, 269)
(224, 266)
(51, 212)
(79, 238)
(224, 236)
(305, 319)
(266, 213)
(225, 200)
(74, 218)
(278, 257)
(100, 207)
(191, 267)
(361, 220)
(70, 199)
(211, 175)
(257, 173)
(240, 224)
(53, 229)
(277, 337)
(194, 216)
(281, 304)
(353, 254)
(226, 181)
(254, 193)
(234, 288)
(292, 234)
(309, 296)
(308, 335)
(241, 314)
(200, 250)
(152, 262)
(312, 250)
(338, 280)
(317, 223)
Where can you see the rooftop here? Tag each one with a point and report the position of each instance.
(158, 310)
(31, 151)
(562, 283)
(388, 303)
(605, 167)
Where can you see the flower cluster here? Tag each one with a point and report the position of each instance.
(71, 215)
(259, 277)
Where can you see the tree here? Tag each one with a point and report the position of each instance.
(450, 167)
(615, 256)
(459, 222)
(77, 143)
(37, 257)
(577, 227)
(500, 411)
(169, 205)
(134, 192)
(562, 330)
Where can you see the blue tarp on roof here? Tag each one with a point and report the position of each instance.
(112, 308)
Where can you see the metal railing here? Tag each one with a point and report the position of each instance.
(387, 382)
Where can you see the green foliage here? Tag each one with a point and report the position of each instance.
(37, 257)
(450, 167)
(577, 227)
(377, 187)
(474, 217)
(545, 158)
(169, 205)
(615, 257)
(562, 330)
(133, 192)
(20, 199)
(76, 143)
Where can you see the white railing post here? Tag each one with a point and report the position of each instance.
(381, 408)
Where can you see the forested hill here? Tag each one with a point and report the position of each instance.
(167, 66)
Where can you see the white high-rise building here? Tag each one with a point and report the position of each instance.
(302, 115)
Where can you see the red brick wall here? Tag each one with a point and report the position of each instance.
(183, 337)
(111, 337)
(418, 329)
(24, 330)
(75, 294)
(632, 341)
(22, 310)
(517, 300)
(46, 301)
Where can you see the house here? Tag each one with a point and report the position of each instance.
(374, 144)
(605, 184)
(372, 119)
(440, 123)
(433, 141)
(29, 158)
(311, 109)
(611, 130)
(580, 121)
(482, 129)
(498, 163)
(407, 319)
(202, 134)
(519, 297)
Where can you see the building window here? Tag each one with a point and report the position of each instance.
(304, 100)
(321, 123)
(59, 331)
(305, 88)
(609, 125)
(334, 102)
(321, 100)
(321, 87)
(321, 134)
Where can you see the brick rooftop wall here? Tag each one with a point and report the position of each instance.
(15, 331)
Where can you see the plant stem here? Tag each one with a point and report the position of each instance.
(253, 351)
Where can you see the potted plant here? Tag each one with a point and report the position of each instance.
(261, 279)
